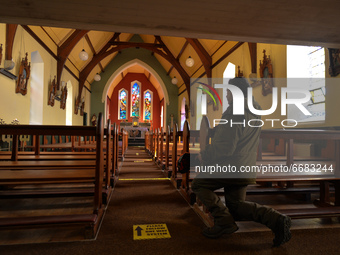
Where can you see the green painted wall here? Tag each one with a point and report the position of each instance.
(124, 57)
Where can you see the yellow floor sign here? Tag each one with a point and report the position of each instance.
(150, 231)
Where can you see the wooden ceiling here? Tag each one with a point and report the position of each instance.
(112, 23)
(65, 45)
(280, 21)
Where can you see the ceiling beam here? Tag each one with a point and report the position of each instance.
(179, 55)
(118, 46)
(10, 34)
(43, 29)
(103, 53)
(30, 32)
(253, 56)
(235, 47)
(203, 55)
(65, 49)
(138, 45)
(152, 53)
(87, 38)
(174, 62)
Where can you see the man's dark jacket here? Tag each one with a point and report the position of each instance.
(235, 146)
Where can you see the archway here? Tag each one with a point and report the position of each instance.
(146, 67)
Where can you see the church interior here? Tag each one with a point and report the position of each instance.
(99, 100)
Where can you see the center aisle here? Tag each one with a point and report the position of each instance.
(142, 196)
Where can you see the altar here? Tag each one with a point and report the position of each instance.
(135, 131)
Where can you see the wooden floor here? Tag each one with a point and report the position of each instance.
(51, 206)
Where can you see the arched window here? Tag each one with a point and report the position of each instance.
(37, 89)
(183, 113)
(162, 119)
(198, 108)
(147, 105)
(135, 98)
(69, 103)
(308, 63)
(122, 104)
(228, 74)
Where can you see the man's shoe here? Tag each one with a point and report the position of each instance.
(217, 231)
(282, 230)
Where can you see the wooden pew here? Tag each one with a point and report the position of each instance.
(183, 181)
(160, 150)
(286, 158)
(146, 141)
(156, 144)
(185, 178)
(167, 154)
(65, 160)
(177, 150)
(61, 171)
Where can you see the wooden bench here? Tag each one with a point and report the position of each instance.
(326, 182)
(179, 146)
(25, 172)
(47, 161)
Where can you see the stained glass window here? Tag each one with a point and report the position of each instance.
(122, 104)
(147, 105)
(135, 98)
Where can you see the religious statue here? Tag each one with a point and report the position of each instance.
(266, 73)
(24, 75)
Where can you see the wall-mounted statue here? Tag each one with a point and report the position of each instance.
(63, 97)
(52, 92)
(94, 120)
(266, 74)
(79, 105)
(82, 109)
(24, 75)
(187, 112)
(239, 72)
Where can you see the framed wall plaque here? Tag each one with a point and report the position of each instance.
(334, 62)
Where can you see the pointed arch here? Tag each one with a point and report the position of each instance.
(148, 68)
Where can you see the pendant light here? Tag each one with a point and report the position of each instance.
(190, 62)
(83, 54)
(97, 77)
(174, 80)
